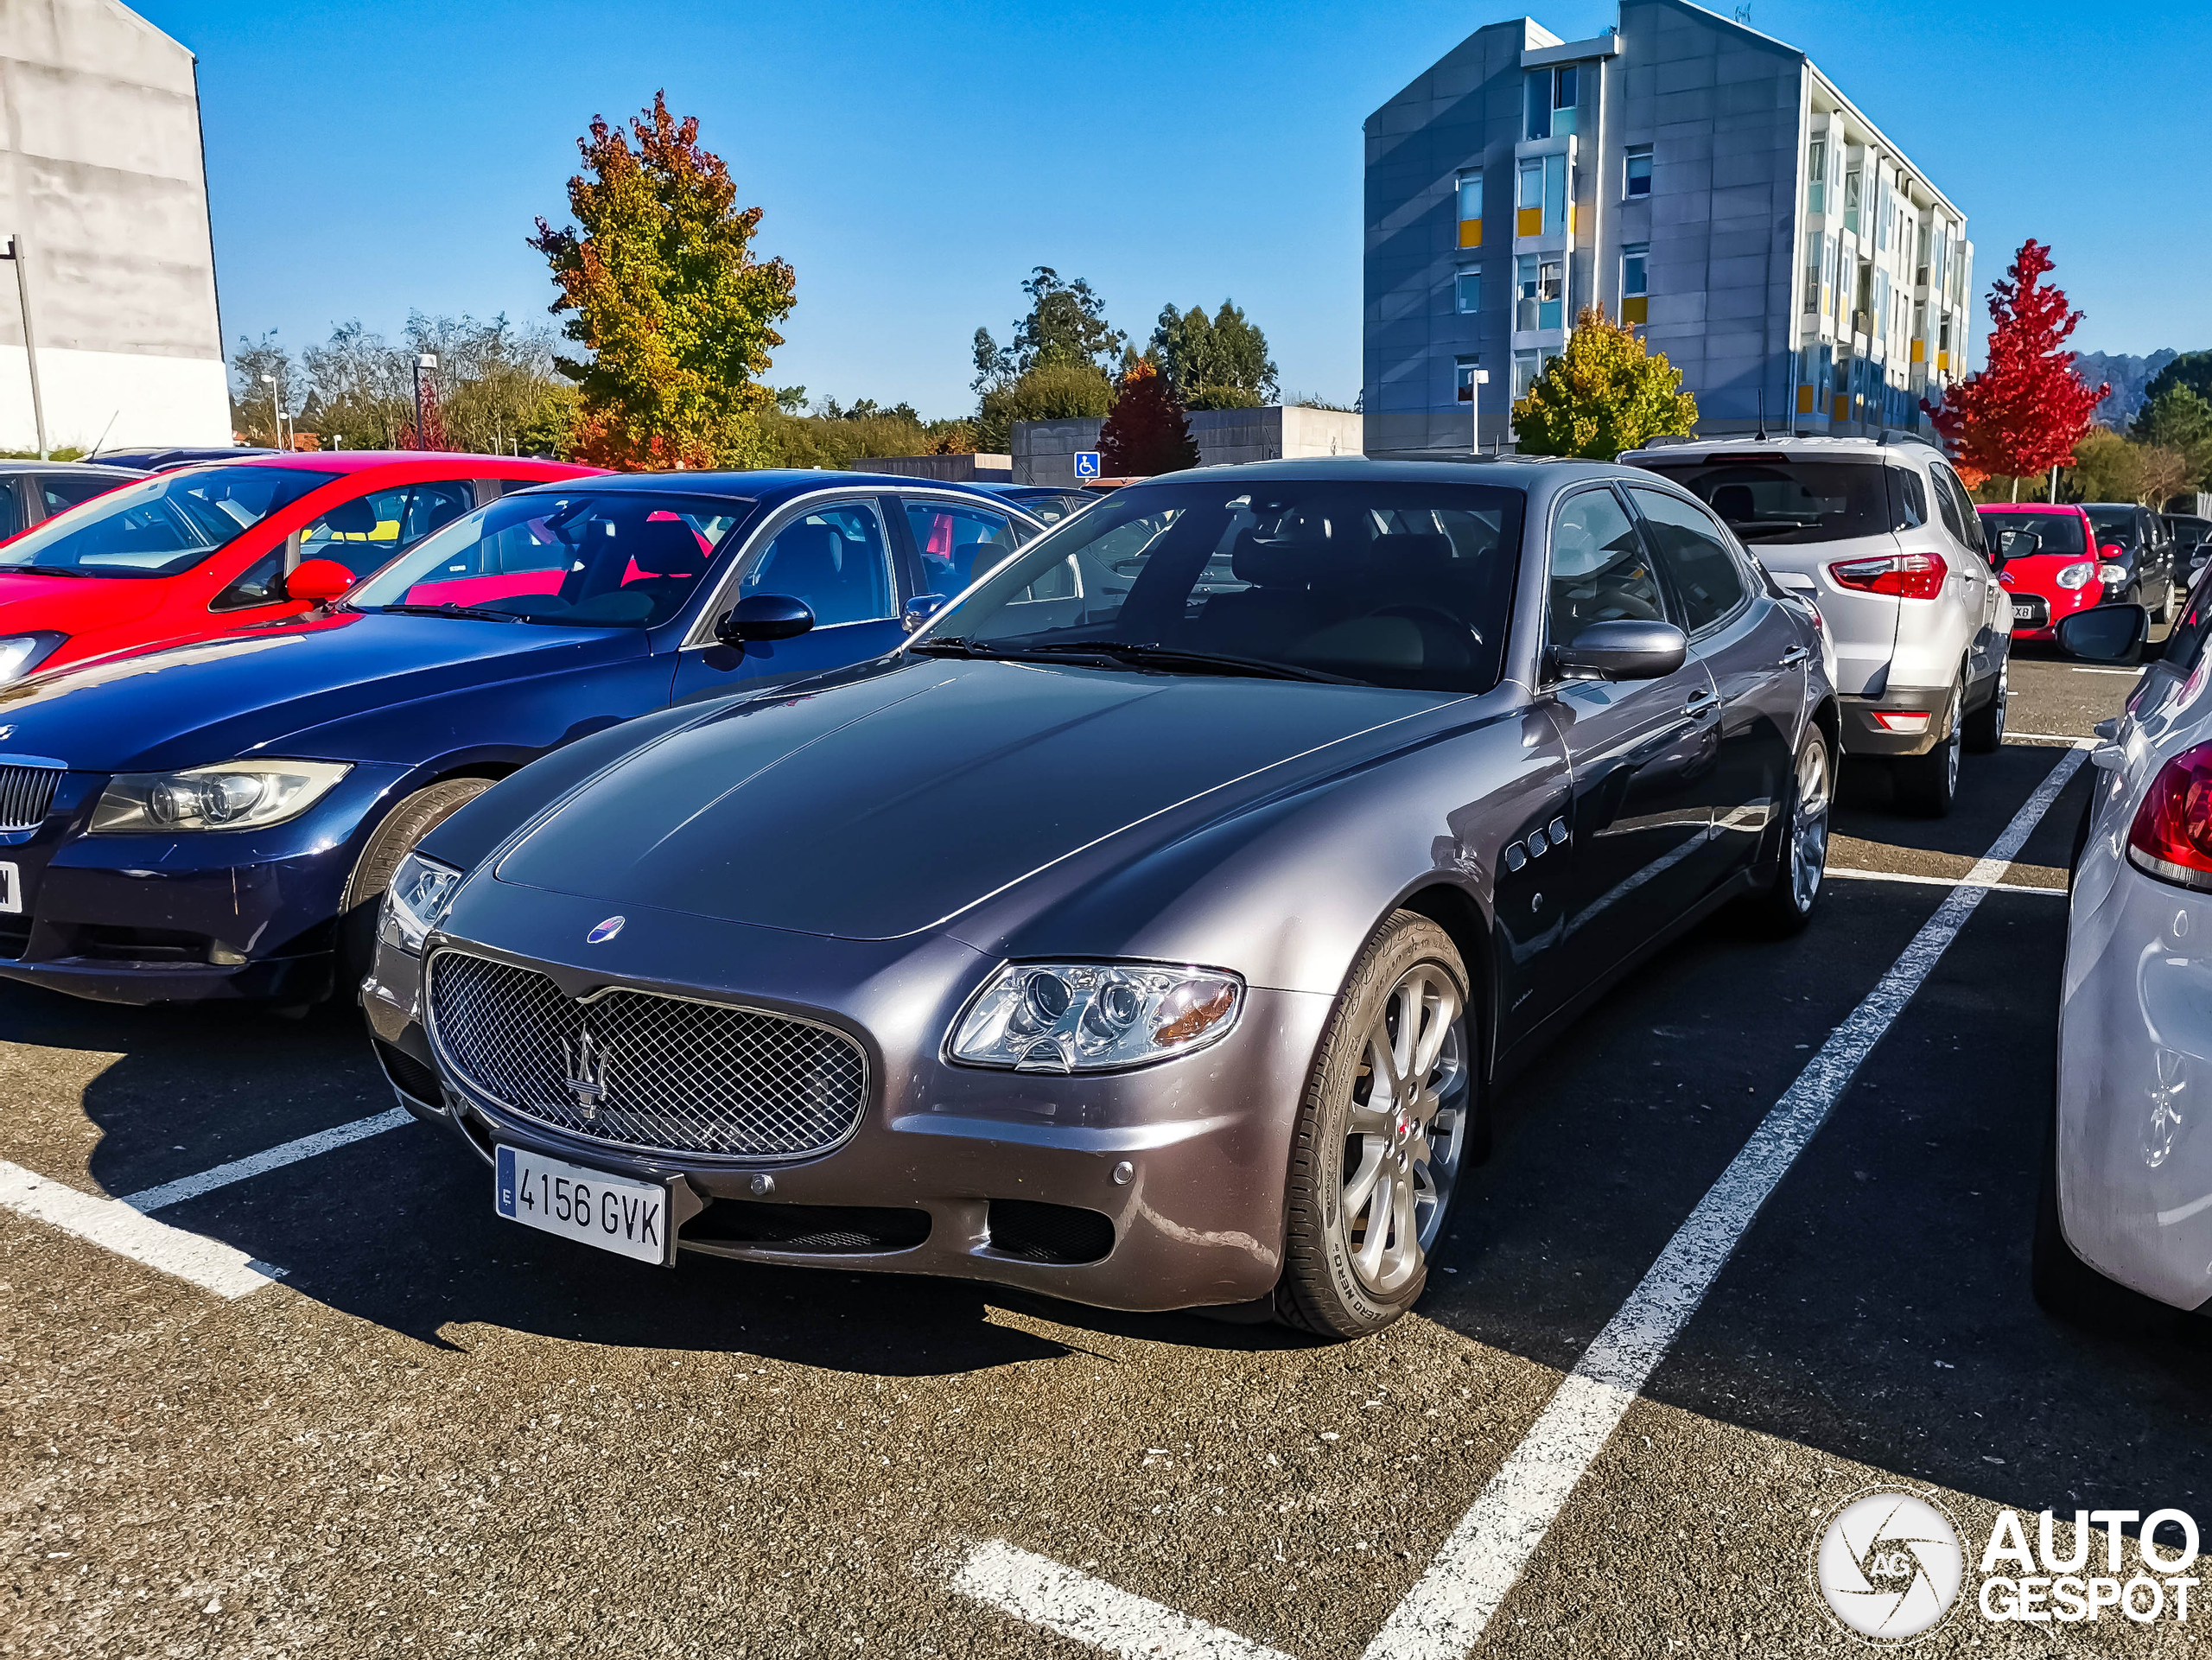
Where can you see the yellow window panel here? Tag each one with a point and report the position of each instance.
(1804, 400)
(1842, 410)
(1528, 221)
(1471, 233)
(1919, 351)
(1570, 219)
(1635, 308)
(1943, 360)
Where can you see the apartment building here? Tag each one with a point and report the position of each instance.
(1682, 172)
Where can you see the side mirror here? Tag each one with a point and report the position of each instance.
(920, 609)
(317, 581)
(765, 616)
(2112, 551)
(2106, 634)
(1622, 651)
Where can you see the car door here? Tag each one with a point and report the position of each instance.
(836, 553)
(1640, 751)
(954, 542)
(1756, 653)
(1978, 590)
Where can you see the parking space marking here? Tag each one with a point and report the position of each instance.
(2077, 669)
(1450, 1604)
(1850, 872)
(275, 1158)
(1039, 1590)
(128, 1232)
(2050, 737)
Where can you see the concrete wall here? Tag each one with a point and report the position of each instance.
(1044, 451)
(101, 174)
(945, 469)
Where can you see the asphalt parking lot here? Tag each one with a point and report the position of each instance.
(400, 1425)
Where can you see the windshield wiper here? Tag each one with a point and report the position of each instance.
(43, 570)
(1167, 657)
(448, 609)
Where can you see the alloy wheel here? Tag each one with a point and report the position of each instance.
(1954, 744)
(1405, 1130)
(1808, 827)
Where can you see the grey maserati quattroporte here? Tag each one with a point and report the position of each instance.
(1152, 927)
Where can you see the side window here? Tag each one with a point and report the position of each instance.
(363, 533)
(1696, 556)
(1908, 497)
(65, 491)
(257, 584)
(1599, 570)
(1953, 496)
(11, 518)
(834, 558)
(958, 544)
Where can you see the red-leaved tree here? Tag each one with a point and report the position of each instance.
(2024, 413)
(1146, 431)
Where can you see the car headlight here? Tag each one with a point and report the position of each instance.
(2078, 575)
(2112, 574)
(1087, 1017)
(420, 895)
(237, 795)
(21, 653)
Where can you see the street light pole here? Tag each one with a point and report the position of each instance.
(1476, 378)
(17, 252)
(422, 360)
(276, 410)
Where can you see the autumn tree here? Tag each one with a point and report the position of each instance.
(1147, 431)
(662, 288)
(2024, 412)
(1214, 363)
(1606, 392)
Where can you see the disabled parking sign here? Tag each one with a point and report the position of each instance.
(1086, 463)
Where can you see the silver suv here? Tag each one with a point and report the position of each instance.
(1883, 536)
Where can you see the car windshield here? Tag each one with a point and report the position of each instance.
(1379, 582)
(1783, 501)
(613, 560)
(160, 526)
(2114, 525)
(2053, 532)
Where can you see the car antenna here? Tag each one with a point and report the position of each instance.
(1762, 437)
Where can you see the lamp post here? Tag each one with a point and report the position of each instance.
(276, 410)
(422, 360)
(18, 254)
(1476, 378)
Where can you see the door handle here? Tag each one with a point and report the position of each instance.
(1795, 655)
(1701, 704)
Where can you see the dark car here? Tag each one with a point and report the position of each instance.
(2138, 565)
(2191, 535)
(32, 492)
(218, 819)
(1048, 502)
(1152, 930)
(167, 457)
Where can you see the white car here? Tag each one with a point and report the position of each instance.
(2127, 1190)
(1883, 536)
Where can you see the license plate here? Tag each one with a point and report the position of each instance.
(11, 889)
(594, 1207)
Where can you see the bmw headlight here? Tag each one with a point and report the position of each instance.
(420, 895)
(1086, 1017)
(2077, 575)
(21, 653)
(237, 795)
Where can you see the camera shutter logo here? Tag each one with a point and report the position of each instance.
(1889, 1565)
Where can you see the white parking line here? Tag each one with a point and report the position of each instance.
(2078, 668)
(127, 1231)
(1039, 1590)
(2050, 737)
(276, 1158)
(1851, 874)
(1450, 1604)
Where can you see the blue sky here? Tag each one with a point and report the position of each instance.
(915, 162)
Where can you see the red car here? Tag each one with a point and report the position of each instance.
(2052, 577)
(182, 555)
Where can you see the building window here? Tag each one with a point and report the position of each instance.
(1551, 294)
(1528, 198)
(1850, 201)
(1637, 178)
(1558, 220)
(1524, 293)
(1817, 179)
(1463, 378)
(1812, 307)
(1469, 187)
(1539, 124)
(1551, 98)
(1886, 207)
(1467, 289)
(1565, 91)
(1527, 366)
(1635, 307)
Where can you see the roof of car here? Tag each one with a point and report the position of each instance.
(2028, 506)
(766, 482)
(1509, 472)
(91, 469)
(362, 461)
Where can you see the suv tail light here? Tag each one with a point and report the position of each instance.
(2171, 837)
(1901, 576)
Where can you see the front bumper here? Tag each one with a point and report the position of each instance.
(1864, 735)
(2134, 1056)
(213, 915)
(1194, 1220)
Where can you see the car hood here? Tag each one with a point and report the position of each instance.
(249, 691)
(69, 605)
(879, 808)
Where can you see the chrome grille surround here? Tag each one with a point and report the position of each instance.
(676, 1074)
(26, 794)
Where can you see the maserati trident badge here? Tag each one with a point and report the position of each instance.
(605, 932)
(586, 1078)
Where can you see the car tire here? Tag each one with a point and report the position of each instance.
(2164, 611)
(1356, 1239)
(1799, 861)
(1928, 785)
(1985, 733)
(404, 826)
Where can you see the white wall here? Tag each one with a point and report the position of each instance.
(136, 401)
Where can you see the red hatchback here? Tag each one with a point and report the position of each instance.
(2051, 577)
(184, 554)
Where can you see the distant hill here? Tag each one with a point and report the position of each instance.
(2128, 375)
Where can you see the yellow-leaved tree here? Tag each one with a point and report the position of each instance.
(1606, 392)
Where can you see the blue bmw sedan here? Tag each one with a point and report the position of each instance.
(220, 819)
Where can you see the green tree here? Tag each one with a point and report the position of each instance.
(1217, 363)
(1606, 392)
(1066, 326)
(1147, 432)
(252, 416)
(2191, 369)
(1047, 392)
(664, 291)
(2178, 419)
